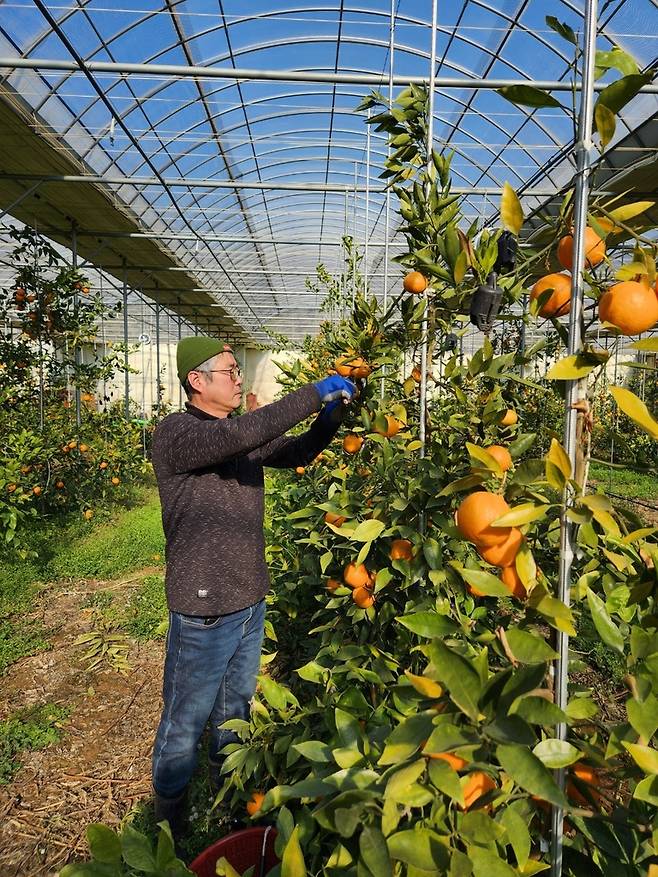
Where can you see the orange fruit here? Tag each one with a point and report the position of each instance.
(352, 366)
(256, 802)
(401, 549)
(36, 490)
(88, 514)
(501, 455)
(25, 470)
(631, 306)
(559, 301)
(588, 776)
(357, 576)
(59, 485)
(474, 517)
(455, 761)
(352, 443)
(512, 581)
(505, 553)
(298, 469)
(393, 426)
(84, 449)
(415, 282)
(509, 418)
(415, 374)
(103, 465)
(115, 480)
(11, 488)
(336, 520)
(363, 597)
(594, 250)
(477, 785)
(333, 585)
(72, 445)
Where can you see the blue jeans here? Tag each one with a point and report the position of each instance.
(209, 675)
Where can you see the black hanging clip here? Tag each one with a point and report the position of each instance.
(488, 297)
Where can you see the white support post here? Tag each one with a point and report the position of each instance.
(575, 392)
(77, 352)
(387, 208)
(367, 220)
(126, 376)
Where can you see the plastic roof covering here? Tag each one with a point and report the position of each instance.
(284, 132)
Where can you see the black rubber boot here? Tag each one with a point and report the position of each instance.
(173, 811)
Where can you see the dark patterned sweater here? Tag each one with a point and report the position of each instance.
(210, 478)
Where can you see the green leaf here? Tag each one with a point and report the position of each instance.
(104, 844)
(647, 790)
(374, 852)
(367, 531)
(572, 368)
(528, 648)
(644, 756)
(529, 773)
(616, 95)
(556, 753)
(313, 750)
(397, 786)
(618, 59)
(419, 847)
(484, 457)
(518, 834)
(607, 629)
(460, 677)
(636, 410)
(477, 826)
(521, 444)
(292, 862)
(527, 96)
(522, 514)
(511, 211)
(646, 344)
(484, 582)
(554, 611)
(278, 696)
(461, 484)
(643, 716)
(406, 738)
(538, 711)
(488, 864)
(561, 28)
(347, 727)
(446, 780)
(136, 850)
(428, 624)
(225, 869)
(559, 457)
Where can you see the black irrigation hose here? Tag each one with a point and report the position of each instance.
(634, 501)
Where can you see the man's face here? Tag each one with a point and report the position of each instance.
(217, 392)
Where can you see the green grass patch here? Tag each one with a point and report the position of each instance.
(625, 482)
(147, 615)
(30, 729)
(20, 640)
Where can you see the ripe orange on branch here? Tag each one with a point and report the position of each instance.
(357, 576)
(256, 802)
(594, 250)
(456, 762)
(509, 418)
(333, 585)
(352, 366)
(512, 581)
(559, 301)
(505, 553)
(475, 515)
(477, 785)
(401, 549)
(501, 455)
(336, 520)
(393, 427)
(415, 282)
(363, 597)
(587, 776)
(631, 306)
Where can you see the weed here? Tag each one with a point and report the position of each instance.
(146, 614)
(30, 729)
(625, 482)
(20, 640)
(98, 600)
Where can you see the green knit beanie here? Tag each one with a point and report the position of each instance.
(192, 351)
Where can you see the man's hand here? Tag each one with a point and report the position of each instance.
(335, 388)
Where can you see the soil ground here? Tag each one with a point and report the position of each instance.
(101, 767)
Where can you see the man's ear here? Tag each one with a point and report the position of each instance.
(194, 379)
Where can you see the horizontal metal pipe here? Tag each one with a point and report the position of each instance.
(171, 182)
(226, 239)
(372, 79)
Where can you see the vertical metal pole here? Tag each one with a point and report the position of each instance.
(157, 357)
(424, 343)
(77, 351)
(180, 386)
(575, 392)
(522, 339)
(126, 376)
(387, 209)
(367, 231)
(354, 240)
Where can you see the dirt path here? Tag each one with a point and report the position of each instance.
(101, 767)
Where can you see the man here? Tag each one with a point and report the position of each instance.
(209, 468)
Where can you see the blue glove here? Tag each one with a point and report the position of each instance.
(335, 387)
(332, 414)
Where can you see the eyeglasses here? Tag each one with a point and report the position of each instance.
(235, 372)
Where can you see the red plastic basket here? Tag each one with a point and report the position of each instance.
(243, 849)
